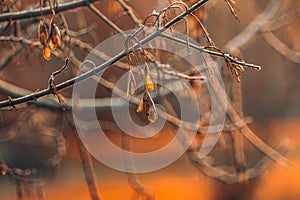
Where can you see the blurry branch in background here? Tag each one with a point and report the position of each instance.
(282, 21)
(279, 46)
(87, 163)
(24, 185)
(104, 18)
(254, 27)
(130, 12)
(265, 24)
(8, 56)
(28, 183)
(105, 103)
(140, 190)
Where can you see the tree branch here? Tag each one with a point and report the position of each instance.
(47, 10)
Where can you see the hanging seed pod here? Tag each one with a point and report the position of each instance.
(149, 108)
(140, 107)
(147, 105)
(3, 171)
(152, 116)
(43, 34)
(149, 83)
(55, 37)
(47, 53)
(131, 85)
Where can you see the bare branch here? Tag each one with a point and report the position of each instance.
(279, 46)
(213, 53)
(105, 19)
(21, 40)
(233, 178)
(87, 164)
(47, 10)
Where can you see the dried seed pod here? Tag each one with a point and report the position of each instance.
(149, 83)
(43, 34)
(3, 172)
(152, 116)
(55, 36)
(147, 105)
(140, 107)
(131, 85)
(47, 53)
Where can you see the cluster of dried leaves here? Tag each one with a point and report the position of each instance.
(51, 38)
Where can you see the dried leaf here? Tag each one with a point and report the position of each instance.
(54, 36)
(3, 172)
(149, 83)
(235, 69)
(43, 34)
(147, 105)
(52, 45)
(47, 53)
(152, 116)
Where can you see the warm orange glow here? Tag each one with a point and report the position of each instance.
(58, 40)
(47, 53)
(149, 83)
(3, 172)
(52, 44)
(113, 6)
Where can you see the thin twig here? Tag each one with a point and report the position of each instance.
(83, 31)
(213, 53)
(105, 19)
(130, 13)
(21, 40)
(279, 46)
(233, 178)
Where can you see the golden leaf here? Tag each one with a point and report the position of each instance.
(54, 36)
(149, 119)
(149, 83)
(3, 172)
(47, 53)
(58, 40)
(52, 45)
